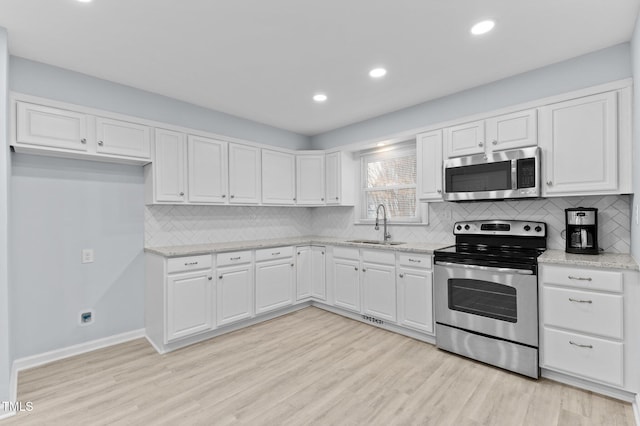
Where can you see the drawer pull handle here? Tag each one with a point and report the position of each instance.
(235, 258)
(219, 277)
(190, 263)
(580, 346)
(580, 301)
(579, 278)
(275, 254)
(415, 260)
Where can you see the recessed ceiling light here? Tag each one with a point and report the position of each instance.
(482, 27)
(377, 72)
(380, 143)
(320, 97)
(85, 1)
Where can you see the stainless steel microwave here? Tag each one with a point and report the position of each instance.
(497, 176)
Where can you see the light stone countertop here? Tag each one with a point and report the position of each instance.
(604, 260)
(197, 249)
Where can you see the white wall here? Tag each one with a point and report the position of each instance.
(60, 207)
(38, 79)
(5, 353)
(605, 65)
(635, 59)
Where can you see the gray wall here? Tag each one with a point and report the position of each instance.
(59, 207)
(38, 79)
(5, 353)
(635, 56)
(594, 68)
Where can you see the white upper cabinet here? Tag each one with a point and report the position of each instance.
(465, 139)
(310, 180)
(511, 131)
(429, 153)
(507, 131)
(65, 132)
(278, 177)
(119, 137)
(207, 170)
(51, 127)
(244, 174)
(340, 173)
(169, 167)
(579, 140)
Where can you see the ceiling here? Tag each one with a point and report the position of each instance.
(264, 60)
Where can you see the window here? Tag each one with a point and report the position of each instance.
(389, 178)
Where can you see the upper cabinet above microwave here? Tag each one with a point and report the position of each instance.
(508, 131)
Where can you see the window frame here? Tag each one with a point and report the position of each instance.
(399, 150)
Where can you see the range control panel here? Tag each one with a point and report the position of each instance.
(516, 228)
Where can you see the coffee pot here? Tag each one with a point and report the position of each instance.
(582, 230)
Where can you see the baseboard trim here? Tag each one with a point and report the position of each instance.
(588, 385)
(58, 354)
(636, 409)
(7, 415)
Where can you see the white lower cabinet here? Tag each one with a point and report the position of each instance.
(415, 295)
(234, 293)
(274, 281)
(189, 304)
(346, 281)
(585, 320)
(310, 273)
(379, 290)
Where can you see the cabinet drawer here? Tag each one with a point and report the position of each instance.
(274, 253)
(233, 258)
(346, 253)
(379, 256)
(588, 279)
(415, 260)
(190, 263)
(589, 357)
(594, 313)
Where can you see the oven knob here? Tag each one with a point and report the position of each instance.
(458, 227)
(527, 228)
(466, 227)
(538, 228)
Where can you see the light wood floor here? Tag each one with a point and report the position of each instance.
(309, 367)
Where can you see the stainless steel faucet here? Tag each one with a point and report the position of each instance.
(387, 235)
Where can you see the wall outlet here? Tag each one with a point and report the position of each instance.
(87, 256)
(86, 317)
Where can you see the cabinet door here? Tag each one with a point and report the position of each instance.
(379, 290)
(310, 179)
(169, 166)
(415, 299)
(51, 127)
(123, 138)
(207, 165)
(429, 153)
(303, 272)
(234, 294)
(511, 131)
(346, 281)
(244, 174)
(318, 279)
(278, 177)
(464, 139)
(579, 139)
(189, 304)
(333, 177)
(274, 285)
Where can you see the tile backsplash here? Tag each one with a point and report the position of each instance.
(177, 225)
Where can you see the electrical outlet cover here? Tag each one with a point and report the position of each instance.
(87, 317)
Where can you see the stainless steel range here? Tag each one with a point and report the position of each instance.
(486, 293)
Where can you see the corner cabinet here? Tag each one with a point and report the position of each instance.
(340, 175)
(585, 146)
(310, 273)
(429, 156)
(310, 182)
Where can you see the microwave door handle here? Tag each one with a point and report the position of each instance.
(486, 268)
(514, 174)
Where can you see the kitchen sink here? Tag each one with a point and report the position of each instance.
(378, 242)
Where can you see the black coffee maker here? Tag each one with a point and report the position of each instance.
(582, 230)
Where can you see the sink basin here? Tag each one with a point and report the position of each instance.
(378, 242)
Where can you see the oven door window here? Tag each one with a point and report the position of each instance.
(483, 298)
(481, 177)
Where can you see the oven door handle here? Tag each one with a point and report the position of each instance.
(486, 268)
